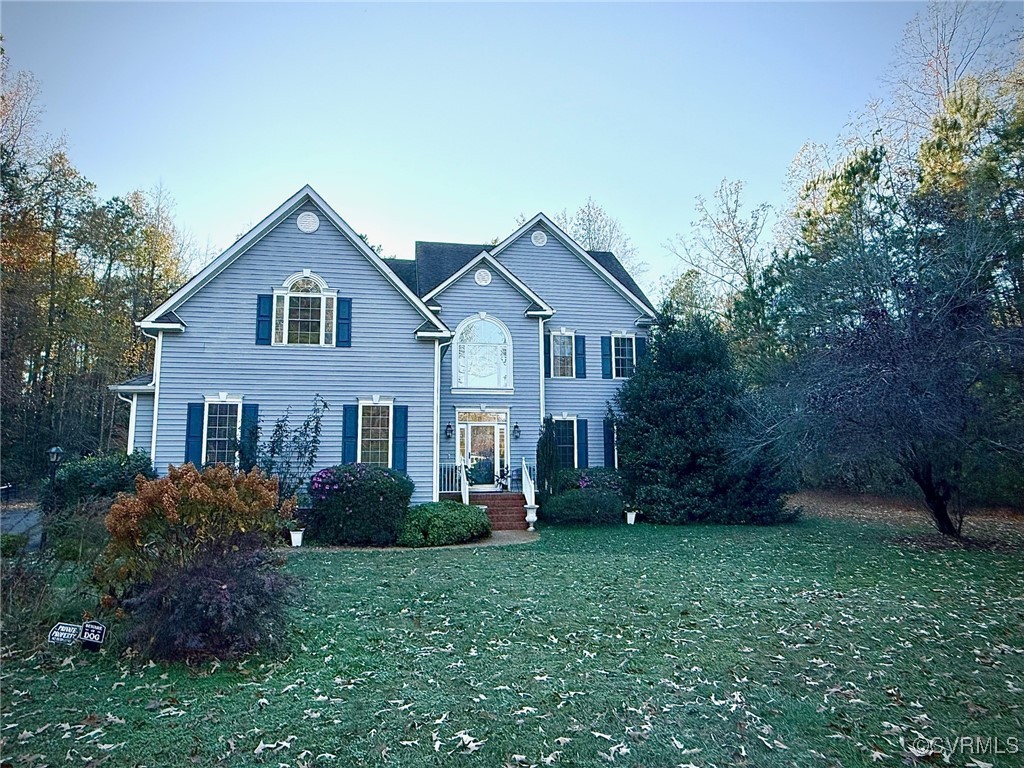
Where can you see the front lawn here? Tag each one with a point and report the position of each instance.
(825, 643)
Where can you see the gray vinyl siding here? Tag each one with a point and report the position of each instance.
(143, 423)
(583, 303)
(500, 299)
(218, 352)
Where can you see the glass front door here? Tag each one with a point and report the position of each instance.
(483, 448)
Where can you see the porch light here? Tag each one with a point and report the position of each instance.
(449, 430)
(516, 431)
(55, 454)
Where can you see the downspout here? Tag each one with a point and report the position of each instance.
(437, 416)
(540, 357)
(131, 418)
(156, 391)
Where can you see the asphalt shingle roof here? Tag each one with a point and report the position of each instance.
(436, 262)
(142, 380)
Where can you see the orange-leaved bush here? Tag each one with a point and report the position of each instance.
(170, 520)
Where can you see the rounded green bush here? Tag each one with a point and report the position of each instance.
(357, 504)
(582, 507)
(444, 522)
(94, 476)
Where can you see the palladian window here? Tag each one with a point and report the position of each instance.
(304, 311)
(483, 354)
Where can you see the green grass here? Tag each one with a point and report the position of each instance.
(815, 644)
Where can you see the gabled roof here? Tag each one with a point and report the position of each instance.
(610, 262)
(168, 321)
(538, 307)
(436, 262)
(633, 295)
(141, 383)
(304, 195)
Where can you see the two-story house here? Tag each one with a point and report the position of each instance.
(445, 363)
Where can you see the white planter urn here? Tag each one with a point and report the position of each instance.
(630, 518)
(297, 537)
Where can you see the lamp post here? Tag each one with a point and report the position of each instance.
(55, 454)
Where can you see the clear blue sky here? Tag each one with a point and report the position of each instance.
(444, 122)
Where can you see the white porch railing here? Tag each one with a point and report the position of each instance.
(449, 478)
(463, 484)
(529, 490)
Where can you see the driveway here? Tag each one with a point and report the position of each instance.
(24, 519)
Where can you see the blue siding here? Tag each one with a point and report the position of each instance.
(500, 299)
(218, 350)
(143, 423)
(583, 303)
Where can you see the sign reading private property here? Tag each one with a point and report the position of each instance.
(92, 635)
(65, 633)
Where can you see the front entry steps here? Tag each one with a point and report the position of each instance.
(506, 510)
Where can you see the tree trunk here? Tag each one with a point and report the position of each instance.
(937, 495)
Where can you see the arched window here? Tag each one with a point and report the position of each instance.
(304, 311)
(483, 354)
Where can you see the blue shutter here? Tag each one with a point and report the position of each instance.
(349, 433)
(343, 333)
(609, 442)
(547, 355)
(194, 434)
(582, 459)
(581, 357)
(606, 357)
(264, 318)
(641, 348)
(250, 436)
(400, 438)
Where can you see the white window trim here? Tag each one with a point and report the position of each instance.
(623, 336)
(457, 390)
(222, 399)
(615, 444)
(575, 442)
(285, 290)
(377, 401)
(459, 423)
(572, 352)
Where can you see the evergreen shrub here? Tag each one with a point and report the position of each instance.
(444, 522)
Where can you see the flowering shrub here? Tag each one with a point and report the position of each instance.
(357, 504)
(174, 518)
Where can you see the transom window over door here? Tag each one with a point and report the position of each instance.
(483, 354)
(304, 311)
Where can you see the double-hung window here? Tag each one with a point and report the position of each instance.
(222, 431)
(375, 433)
(563, 358)
(565, 442)
(304, 311)
(623, 356)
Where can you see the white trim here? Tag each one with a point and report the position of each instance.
(131, 422)
(157, 359)
(575, 442)
(221, 398)
(572, 351)
(376, 401)
(282, 212)
(575, 247)
(540, 355)
(504, 271)
(160, 326)
(507, 424)
(477, 317)
(622, 335)
(435, 487)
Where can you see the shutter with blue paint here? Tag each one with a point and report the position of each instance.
(250, 436)
(641, 348)
(582, 459)
(194, 434)
(609, 442)
(264, 318)
(581, 357)
(547, 355)
(343, 334)
(349, 433)
(606, 357)
(400, 439)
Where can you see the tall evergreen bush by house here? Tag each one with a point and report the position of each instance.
(547, 460)
(675, 416)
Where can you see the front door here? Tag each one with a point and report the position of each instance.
(483, 448)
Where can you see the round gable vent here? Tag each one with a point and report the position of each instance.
(539, 238)
(482, 277)
(308, 222)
